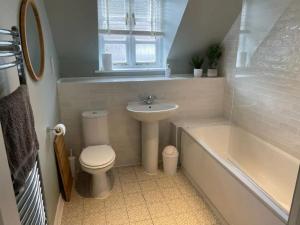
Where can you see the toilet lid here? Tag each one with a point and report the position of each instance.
(97, 156)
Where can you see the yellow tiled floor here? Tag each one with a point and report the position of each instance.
(141, 199)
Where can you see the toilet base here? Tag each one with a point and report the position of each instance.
(101, 185)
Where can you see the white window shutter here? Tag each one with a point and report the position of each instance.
(156, 16)
(147, 16)
(112, 15)
(131, 31)
(137, 17)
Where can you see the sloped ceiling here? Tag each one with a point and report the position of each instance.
(173, 11)
(204, 22)
(190, 26)
(74, 24)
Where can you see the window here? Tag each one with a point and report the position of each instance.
(131, 31)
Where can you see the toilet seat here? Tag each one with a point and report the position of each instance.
(98, 156)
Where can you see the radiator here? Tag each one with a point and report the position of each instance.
(30, 201)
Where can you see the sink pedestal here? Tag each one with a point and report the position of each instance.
(150, 115)
(150, 146)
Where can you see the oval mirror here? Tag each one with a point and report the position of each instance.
(32, 39)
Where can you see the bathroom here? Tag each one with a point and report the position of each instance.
(161, 112)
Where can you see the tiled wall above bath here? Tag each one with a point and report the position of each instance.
(262, 66)
(197, 98)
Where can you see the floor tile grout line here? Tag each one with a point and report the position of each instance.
(185, 193)
(147, 208)
(118, 177)
(139, 182)
(125, 200)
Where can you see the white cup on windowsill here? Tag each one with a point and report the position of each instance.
(107, 62)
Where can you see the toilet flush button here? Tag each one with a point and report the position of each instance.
(94, 114)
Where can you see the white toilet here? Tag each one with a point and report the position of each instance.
(98, 156)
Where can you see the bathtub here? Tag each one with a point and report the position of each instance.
(248, 181)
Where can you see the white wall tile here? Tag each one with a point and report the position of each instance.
(266, 99)
(199, 98)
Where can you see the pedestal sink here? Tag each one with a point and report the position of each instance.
(150, 115)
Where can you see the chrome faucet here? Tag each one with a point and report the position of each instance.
(149, 99)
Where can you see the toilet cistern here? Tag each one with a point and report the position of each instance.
(150, 115)
(98, 157)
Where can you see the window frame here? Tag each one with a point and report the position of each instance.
(130, 43)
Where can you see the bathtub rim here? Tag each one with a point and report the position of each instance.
(241, 177)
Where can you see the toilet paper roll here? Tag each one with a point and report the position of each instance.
(59, 129)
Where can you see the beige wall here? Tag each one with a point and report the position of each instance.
(43, 99)
(198, 98)
(263, 96)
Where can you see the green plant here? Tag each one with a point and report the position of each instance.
(197, 62)
(214, 53)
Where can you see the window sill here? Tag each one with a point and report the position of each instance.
(130, 79)
(132, 72)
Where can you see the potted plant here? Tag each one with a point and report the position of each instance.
(197, 63)
(214, 53)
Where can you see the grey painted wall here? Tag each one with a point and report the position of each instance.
(43, 99)
(204, 22)
(75, 30)
(173, 11)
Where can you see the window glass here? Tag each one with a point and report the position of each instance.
(118, 51)
(131, 31)
(145, 53)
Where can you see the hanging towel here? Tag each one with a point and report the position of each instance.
(19, 135)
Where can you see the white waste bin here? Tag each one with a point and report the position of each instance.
(170, 160)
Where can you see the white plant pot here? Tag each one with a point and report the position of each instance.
(198, 72)
(212, 72)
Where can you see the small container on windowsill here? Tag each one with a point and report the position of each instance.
(212, 72)
(198, 72)
(168, 71)
(107, 62)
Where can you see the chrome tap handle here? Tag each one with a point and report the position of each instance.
(149, 99)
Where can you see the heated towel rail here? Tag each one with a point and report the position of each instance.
(30, 200)
(12, 49)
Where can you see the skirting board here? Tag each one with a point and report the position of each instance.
(59, 211)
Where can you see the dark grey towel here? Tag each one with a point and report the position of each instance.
(19, 135)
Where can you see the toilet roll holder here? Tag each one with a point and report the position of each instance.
(49, 130)
(57, 130)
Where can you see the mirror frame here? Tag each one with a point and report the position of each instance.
(35, 75)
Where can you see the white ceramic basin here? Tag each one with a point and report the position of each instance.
(151, 113)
